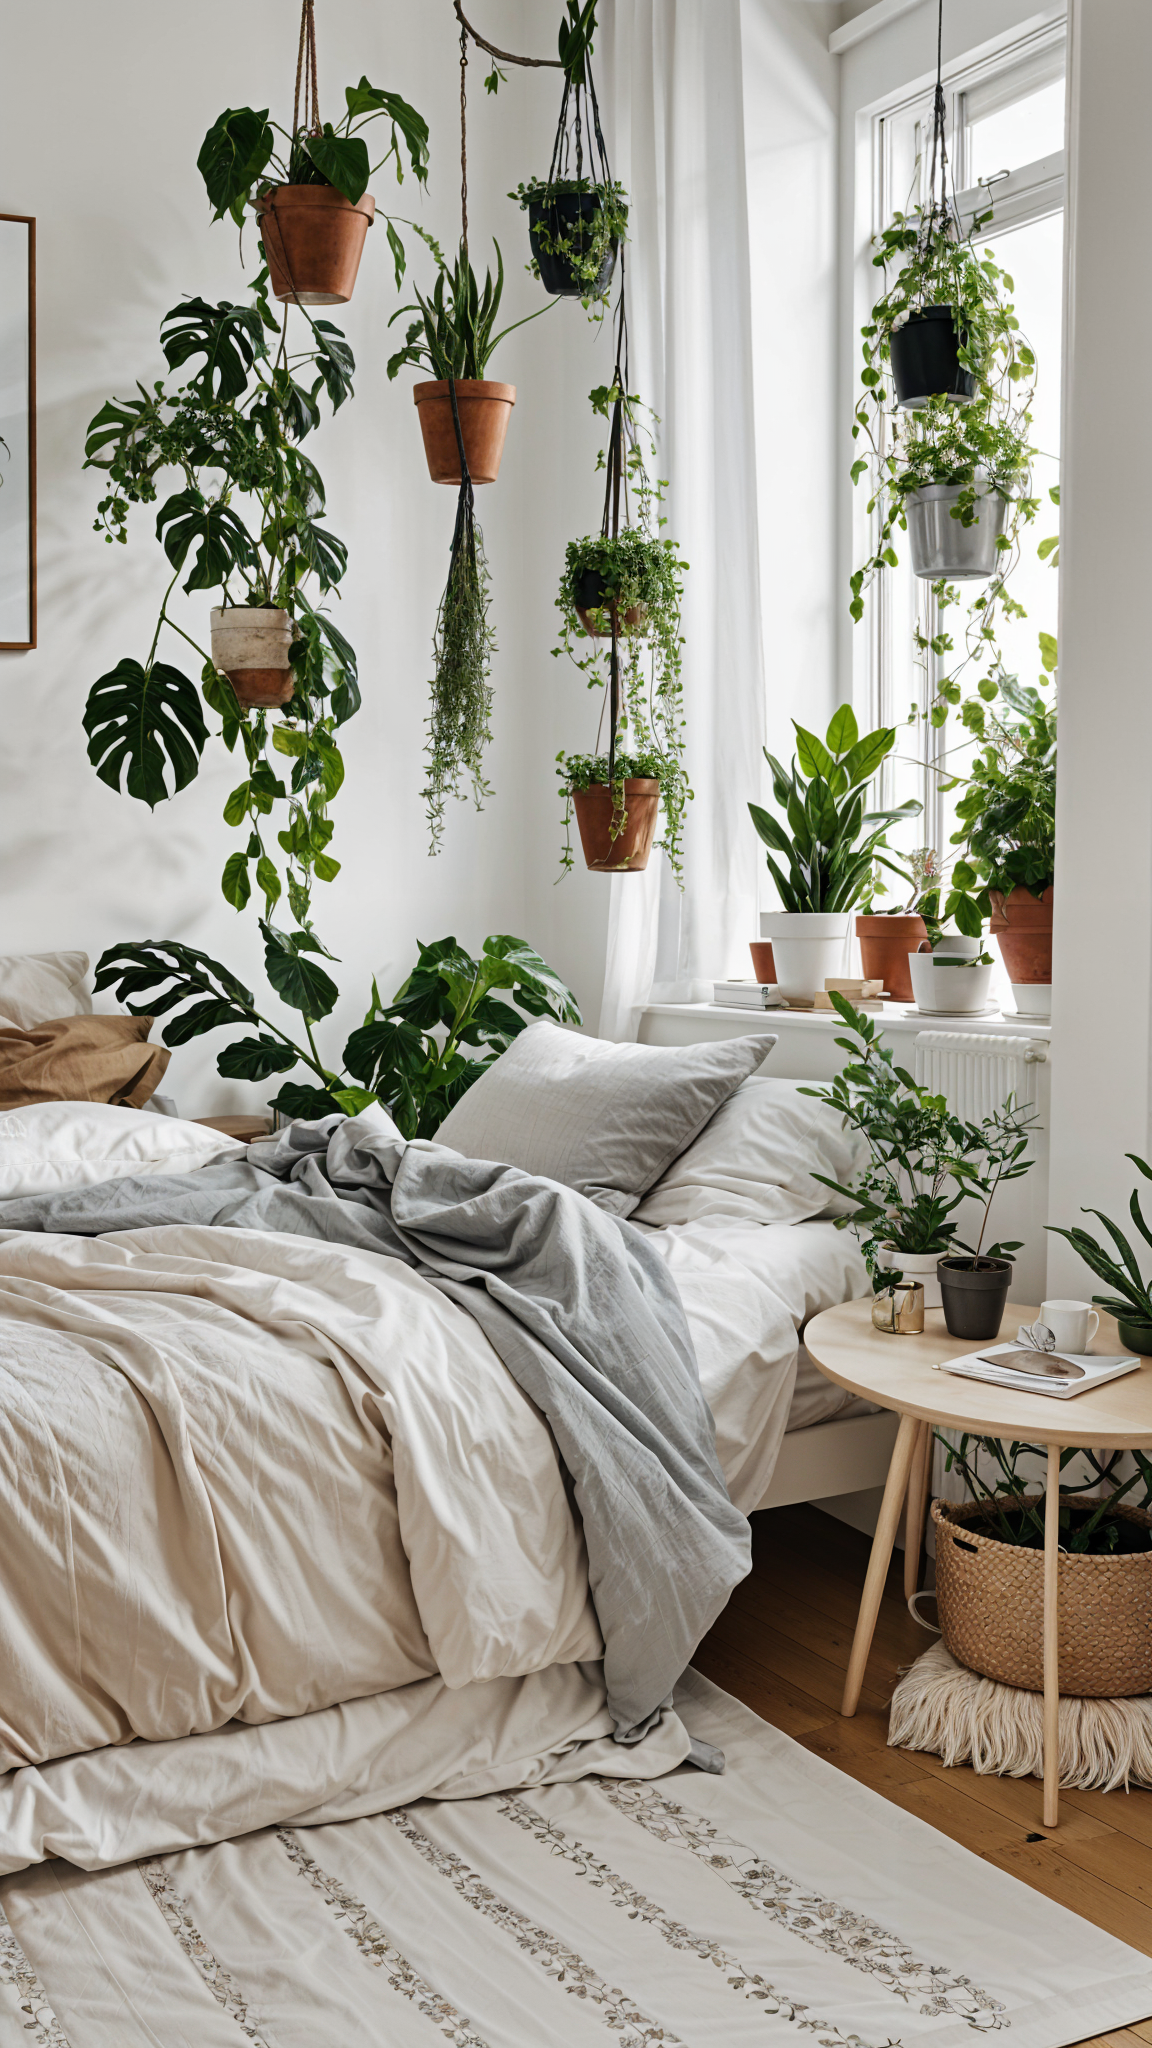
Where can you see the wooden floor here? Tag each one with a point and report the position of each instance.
(782, 1647)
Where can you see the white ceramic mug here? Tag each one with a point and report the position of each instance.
(1072, 1323)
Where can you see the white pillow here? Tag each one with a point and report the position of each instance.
(36, 987)
(754, 1160)
(48, 1146)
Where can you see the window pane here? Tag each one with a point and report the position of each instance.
(1018, 134)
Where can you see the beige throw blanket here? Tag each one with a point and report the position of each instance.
(246, 1476)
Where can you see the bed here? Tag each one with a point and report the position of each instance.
(282, 1534)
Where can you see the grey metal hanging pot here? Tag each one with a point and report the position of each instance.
(941, 545)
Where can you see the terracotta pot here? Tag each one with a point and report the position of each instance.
(1022, 926)
(485, 410)
(763, 965)
(628, 853)
(885, 943)
(313, 239)
(251, 645)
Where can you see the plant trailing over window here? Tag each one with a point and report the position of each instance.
(923, 1160)
(408, 1055)
(231, 438)
(578, 214)
(829, 841)
(970, 430)
(240, 149)
(620, 596)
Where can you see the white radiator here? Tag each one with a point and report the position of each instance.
(977, 1071)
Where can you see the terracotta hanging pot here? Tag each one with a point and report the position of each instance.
(763, 965)
(628, 852)
(885, 943)
(251, 644)
(595, 615)
(313, 239)
(485, 410)
(1022, 926)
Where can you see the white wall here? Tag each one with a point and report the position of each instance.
(124, 233)
(1102, 981)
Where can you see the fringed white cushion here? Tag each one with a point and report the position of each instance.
(962, 1718)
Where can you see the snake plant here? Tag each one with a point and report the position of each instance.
(1131, 1299)
(831, 841)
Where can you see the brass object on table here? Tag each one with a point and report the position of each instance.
(899, 1311)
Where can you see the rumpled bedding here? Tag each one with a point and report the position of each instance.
(584, 1317)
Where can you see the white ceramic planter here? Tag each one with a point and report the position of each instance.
(952, 946)
(808, 946)
(919, 1266)
(948, 991)
(251, 644)
(1033, 999)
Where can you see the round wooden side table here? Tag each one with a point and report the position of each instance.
(901, 1373)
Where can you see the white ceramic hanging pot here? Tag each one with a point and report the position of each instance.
(941, 546)
(808, 947)
(251, 643)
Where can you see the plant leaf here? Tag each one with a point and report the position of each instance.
(342, 161)
(232, 155)
(148, 721)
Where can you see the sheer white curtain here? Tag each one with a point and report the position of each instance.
(673, 77)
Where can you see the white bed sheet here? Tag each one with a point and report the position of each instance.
(748, 1289)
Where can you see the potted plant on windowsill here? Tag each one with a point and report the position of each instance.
(453, 338)
(923, 1162)
(1007, 820)
(316, 210)
(888, 937)
(829, 844)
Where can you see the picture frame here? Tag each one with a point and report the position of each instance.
(17, 432)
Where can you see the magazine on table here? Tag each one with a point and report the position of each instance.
(1057, 1374)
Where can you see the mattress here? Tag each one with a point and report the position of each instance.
(748, 1290)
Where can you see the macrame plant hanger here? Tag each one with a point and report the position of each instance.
(941, 217)
(307, 76)
(615, 488)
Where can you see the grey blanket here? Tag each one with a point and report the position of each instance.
(576, 1303)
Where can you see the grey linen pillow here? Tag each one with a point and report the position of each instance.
(603, 1118)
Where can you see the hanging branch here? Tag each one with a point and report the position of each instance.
(505, 56)
(460, 725)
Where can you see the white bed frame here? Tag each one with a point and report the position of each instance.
(975, 1068)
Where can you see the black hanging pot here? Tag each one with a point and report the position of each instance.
(926, 362)
(974, 1293)
(568, 217)
(594, 607)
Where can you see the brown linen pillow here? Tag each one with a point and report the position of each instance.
(81, 1059)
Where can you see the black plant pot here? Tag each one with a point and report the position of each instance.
(926, 362)
(568, 216)
(974, 1297)
(593, 608)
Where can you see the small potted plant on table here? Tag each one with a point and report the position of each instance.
(923, 1161)
(829, 844)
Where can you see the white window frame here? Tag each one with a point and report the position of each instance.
(1029, 193)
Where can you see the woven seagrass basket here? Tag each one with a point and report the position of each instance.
(991, 1603)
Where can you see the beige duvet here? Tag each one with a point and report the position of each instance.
(245, 1477)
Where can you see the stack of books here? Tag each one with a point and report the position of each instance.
(748, 995)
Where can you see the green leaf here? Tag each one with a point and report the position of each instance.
(334, 360)
(230, 338)
(864, 756)
(353, 1100)
(538, 987)
(232, 155)
(342, 161)
(812, 754)
(149, 722)
(253, 1059)
(298, 982)
(223, 541)
(325, 868)
(234, 881)
(294, 1100)
(968, 918)
(370, 99)
(843, 732)
(267, 881)
(1048, 652)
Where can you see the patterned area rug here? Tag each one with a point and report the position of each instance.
(780, 1903)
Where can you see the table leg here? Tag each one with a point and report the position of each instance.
(895, 1488)
(1052, 1641)
(918, 1485)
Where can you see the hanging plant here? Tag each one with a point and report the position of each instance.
(945, 402)
(578, 214)
(459, 727)
(315, 210)
(620, 596)
(246, 519)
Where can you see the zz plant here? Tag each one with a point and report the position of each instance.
(827, 839)
(416, 1056)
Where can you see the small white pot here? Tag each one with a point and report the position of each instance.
(1033, 999)
(953, 946)
(919, 1266)
(808, 946)
(948, 991)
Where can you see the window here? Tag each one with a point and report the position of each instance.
(1006, 135)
